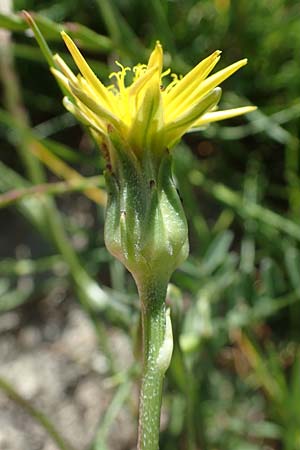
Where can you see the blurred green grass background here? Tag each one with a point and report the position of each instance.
(234, 382)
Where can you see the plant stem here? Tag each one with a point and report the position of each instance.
(152, 296)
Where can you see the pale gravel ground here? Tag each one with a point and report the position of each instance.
(51, 356)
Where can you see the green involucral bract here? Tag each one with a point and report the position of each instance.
(145, 225)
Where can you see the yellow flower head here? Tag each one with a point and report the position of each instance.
(144, 112)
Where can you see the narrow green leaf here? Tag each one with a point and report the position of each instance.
(40, 39)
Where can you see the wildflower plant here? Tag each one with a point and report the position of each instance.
(136, 120)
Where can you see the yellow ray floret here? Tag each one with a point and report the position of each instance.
(191, 80)
(87, 72)
(144, 113)
(215, 116)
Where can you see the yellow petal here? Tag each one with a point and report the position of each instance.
(96, 108)
(191, 80)
(173, 131)
(156, 58)
(208, 84)
(78, 113)
(64, 68)
(221, 115)
(92, 117)
(149, 116)
(64, 81)
(138, 85)
(86, 88)
(86, 71)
